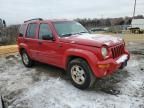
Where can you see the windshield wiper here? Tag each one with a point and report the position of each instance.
(79, 33)
(68, 34)
(83, 32)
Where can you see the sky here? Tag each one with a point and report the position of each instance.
(16, 11)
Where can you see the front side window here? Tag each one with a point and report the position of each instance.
(67, 28)
(31, 31)
(44, 31)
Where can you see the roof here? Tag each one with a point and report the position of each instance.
(47, 20)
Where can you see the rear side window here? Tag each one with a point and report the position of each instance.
(22, 30)
(31, 31)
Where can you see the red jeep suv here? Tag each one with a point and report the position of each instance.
(68, 45)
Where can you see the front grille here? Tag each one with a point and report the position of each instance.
(117, 51)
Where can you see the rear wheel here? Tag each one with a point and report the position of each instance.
(26, 59)
(80, 74)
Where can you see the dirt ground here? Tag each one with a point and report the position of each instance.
(45, 86)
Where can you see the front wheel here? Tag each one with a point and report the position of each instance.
(80, 74)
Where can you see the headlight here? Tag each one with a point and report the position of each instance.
(104, 52)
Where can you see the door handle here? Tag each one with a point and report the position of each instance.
(39, 42)
(59, 45)
(26, 41)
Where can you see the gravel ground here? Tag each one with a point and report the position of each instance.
(44, 86)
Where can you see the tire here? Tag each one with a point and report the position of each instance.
(27, 61)
(83, 78)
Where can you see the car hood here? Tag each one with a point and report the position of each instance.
(92, 40)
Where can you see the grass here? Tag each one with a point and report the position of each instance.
(133, 37)
(8, 49)
(129, 37)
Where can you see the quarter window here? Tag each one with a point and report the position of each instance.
(22, 30)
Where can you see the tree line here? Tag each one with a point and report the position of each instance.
(107, 22)
(9, 34)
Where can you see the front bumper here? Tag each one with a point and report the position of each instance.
(109, 66)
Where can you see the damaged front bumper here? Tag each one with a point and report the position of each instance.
(123, 61)
(109, 66)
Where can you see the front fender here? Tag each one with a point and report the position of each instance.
(90, 57)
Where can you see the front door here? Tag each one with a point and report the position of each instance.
(47, 47)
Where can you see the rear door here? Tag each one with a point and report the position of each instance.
(31, 39)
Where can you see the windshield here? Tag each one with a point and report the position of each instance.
(68, 28)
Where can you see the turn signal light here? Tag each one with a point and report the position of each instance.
(103, 65)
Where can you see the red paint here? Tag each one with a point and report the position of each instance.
(56, 52)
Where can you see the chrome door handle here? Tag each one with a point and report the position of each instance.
(39, 43)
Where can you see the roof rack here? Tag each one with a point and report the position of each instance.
(35, 19)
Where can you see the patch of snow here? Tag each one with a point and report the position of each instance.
(122, 58)
(107, 39)
(43, 87)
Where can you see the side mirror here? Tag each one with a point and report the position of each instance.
(47, 37)
(20, 35)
